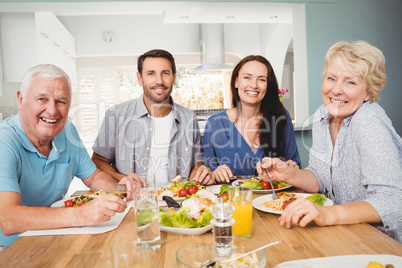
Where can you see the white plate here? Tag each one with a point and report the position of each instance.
(60, 203)
(187, 231)
(347, 261)
(236, 183)
(214, 188)
(257, 203)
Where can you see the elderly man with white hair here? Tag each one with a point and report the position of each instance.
(41, 152)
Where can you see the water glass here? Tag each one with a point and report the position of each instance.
(241, 198)
(132, 254)
(147, 213)
(149, 180)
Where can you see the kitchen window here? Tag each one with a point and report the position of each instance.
(98, 90)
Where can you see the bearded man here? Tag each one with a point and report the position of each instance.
(152, 135)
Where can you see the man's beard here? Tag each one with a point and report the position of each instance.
(147, 93)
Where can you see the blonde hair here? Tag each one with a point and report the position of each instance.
(360, 59)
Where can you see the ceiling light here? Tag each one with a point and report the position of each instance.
(273, 17)
(108, 37)
(230, 17)
(184, 17)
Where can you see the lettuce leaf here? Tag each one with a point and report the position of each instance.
(317, 198)
(280, 184)
(145, 217)
(253, 184)
(166, 219)
(224, 189)
(181, 219)
(206, 217)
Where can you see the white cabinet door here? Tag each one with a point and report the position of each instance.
(29, 39)
(18, 45)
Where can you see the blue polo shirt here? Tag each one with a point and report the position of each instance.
(40, 180)
(223, 144)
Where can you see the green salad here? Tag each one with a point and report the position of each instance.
(178, 219)
(317, 198)
(258, 184)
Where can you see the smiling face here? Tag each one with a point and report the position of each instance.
(44, 109)
(342, 92)
(252, 82)
(157, 79)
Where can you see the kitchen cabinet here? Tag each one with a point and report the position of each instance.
(29, 39)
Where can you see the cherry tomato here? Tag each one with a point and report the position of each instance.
(285, 204)
(183, 192)
(192, 190)
(288, 202)
(68, 203)
(265, 185)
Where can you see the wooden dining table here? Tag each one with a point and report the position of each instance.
(94, 250)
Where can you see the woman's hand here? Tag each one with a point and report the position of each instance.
(204, 176)
(223, 174)
(292, 163)
(303, 211)
(276, 169)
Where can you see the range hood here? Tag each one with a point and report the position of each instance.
(213, 48)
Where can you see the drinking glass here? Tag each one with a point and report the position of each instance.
(147, 212)
(241, 198)
(132, 254)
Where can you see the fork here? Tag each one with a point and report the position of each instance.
(274, 196)
(122, 188)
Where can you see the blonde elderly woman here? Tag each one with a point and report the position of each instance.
(356, 156)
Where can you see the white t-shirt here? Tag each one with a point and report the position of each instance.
(159, 160)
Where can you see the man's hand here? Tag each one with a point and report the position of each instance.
(101, 209)
(204, 176)
(133, 182)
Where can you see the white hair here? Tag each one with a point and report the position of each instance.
(47, 71)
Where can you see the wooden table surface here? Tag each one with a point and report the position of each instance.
(298, 243)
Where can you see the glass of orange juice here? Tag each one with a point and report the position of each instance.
(241, 198)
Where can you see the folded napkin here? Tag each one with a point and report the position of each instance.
(102, 227)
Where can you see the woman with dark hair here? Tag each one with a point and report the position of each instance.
(256, 126)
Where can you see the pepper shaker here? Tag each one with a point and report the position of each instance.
(223, 226)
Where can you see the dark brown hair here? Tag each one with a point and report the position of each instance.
(156, 53)
(272, 127)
